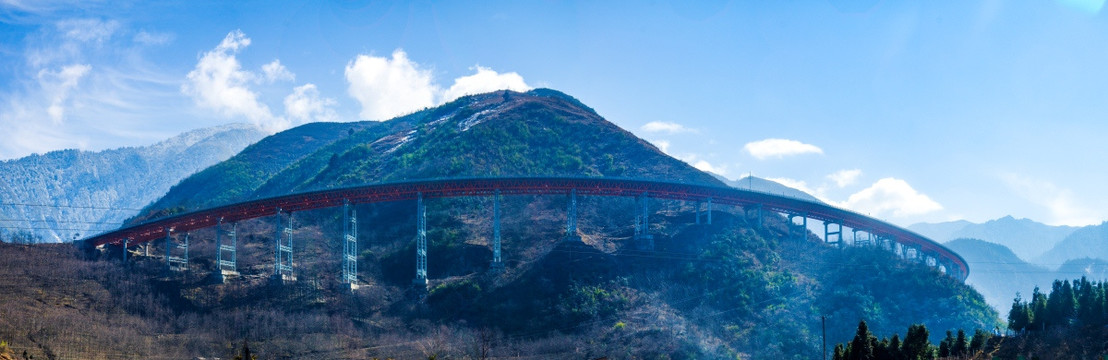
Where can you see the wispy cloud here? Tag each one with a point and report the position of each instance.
(665, 127)
(844, 178)
(393, 86)
(149, 38)
(779, 148)
(306, 105)
(1063, 205)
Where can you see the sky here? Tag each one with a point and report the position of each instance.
(908, 111)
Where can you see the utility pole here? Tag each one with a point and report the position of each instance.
(823, 322)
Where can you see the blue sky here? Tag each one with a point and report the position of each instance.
(908, 111)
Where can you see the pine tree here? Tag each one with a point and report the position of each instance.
(980, 339)
(1038, 311)
(894, 347)
(1019, 317)
(862, 346)
(916, 346)
(961, 344)
(946, 344)
(839, 352)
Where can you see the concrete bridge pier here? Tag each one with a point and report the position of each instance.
(643, 240)
(833, 233)
(349, 245)
(798, 231)
(420, 281)
(225, 265)
(496, 266)
(282, 267)
(176, 263)
(571, 219)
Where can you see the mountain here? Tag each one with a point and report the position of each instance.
(726, 290)
(768, 186)
(67, 194)
(1027, 239)
(998, 274)
(1086, 242)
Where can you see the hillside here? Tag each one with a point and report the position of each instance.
(1028, 239)
(62, 195)
(730, 289)
(997, 273)
(1086, 242)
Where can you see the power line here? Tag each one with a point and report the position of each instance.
(63, 221)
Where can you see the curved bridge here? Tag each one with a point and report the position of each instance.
(904, 242)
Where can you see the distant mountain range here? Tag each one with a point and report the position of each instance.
(1028, 239)
(67, 194)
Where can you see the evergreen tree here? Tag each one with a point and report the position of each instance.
(894, 347)
(1061, 305)
(1038, 311)
(946, 344)
(839, 352)
(881, 350)
(1019, 317)
(862, 346)
(916, 346)
(980, 339)
(961, 345)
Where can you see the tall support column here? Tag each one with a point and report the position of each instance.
(226, 254)
(421, 243)
(349, 245)
(709, 211)
(833, 231)
(643, 239)
(282, 267)
(571, 218)
(497, 265)
(800, 231)
(698, 212)
(176, 263)
(125, 249)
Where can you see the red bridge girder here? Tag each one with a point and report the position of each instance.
(461, 187)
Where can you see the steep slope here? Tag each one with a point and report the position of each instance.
(1086, 242)
(542, 132)
(729, 289)
(998, 274)
(1028, 239)
(66, 194)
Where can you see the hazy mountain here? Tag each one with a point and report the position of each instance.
(1086, 242)
(65, 194)
(1027, 239)
(768, 186)
(997, 273)
(726, 290)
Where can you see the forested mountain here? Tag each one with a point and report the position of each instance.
(1086, 242)
(1026, 238)
(726, 290)
(67, 194)
(769, 186)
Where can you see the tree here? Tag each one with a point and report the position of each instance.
(946, 344)
(1019, 317)
(980, 339)
(916, 346)
(245, 355)
(1038, 310)
(894, 348)
(861, 348)
(840, 352)
(961, 345)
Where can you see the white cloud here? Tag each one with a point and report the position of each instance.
(485, 80)
(274, 71)
(667, 127)
(795, 184)
(778, 148)
(305, 105)
(891, 196)
(1062, 203)
(148, 38)
(389, 87)
(219, 83)
(662, 145)
(88, 30)
(57, 85)
(705, 166)
(844, 178)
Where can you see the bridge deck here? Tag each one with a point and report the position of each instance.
(440, 188)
